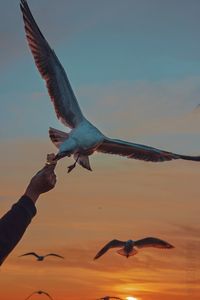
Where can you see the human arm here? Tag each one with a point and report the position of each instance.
(14, 223)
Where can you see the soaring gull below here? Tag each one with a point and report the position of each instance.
(41, 257)
(39, 293)
(84, 138)
(130, 247)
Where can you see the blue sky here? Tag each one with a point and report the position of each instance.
(102, 45)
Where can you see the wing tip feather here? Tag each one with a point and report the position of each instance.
(96, 257)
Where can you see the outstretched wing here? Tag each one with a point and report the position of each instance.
(45, 293)
(30, 295)
(141, 152)
(54, 254)
(152, 242)
(111, 244)
(30, 253)
(51, 70)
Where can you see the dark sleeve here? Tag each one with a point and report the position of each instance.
(13, 225)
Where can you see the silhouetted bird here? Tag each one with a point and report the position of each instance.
(41, 257)
(84, 138)
(129, 246)
(40, 293)
(109, 297)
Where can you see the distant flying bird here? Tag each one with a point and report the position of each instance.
(41, 257)
(84, 138)
(40, 293)
(109, 297)
(129, 247)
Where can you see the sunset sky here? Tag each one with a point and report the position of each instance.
(134, 66)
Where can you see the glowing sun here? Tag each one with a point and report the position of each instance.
(131, 298)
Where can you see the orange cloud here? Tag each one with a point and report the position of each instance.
(86, 210)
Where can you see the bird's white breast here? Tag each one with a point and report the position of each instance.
(87, 136)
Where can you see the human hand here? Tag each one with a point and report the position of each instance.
(43, 181)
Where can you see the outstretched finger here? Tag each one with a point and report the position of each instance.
(50, 163)
(51, 158)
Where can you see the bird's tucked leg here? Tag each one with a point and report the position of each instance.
(83, 161)
(71, 167)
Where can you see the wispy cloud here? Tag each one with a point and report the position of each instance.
(148, 107)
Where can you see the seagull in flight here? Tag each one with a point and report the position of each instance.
(84, 138)
(109, 297)
(130, 247)
(41, 257)
(40, 293)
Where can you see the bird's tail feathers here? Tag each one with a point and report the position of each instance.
(57, 137)
(124, 253)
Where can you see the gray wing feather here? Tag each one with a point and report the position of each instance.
(152, 242)
(58, 85)
(111, 244)
(141, 152)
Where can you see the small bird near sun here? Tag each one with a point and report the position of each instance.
(109, 297)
